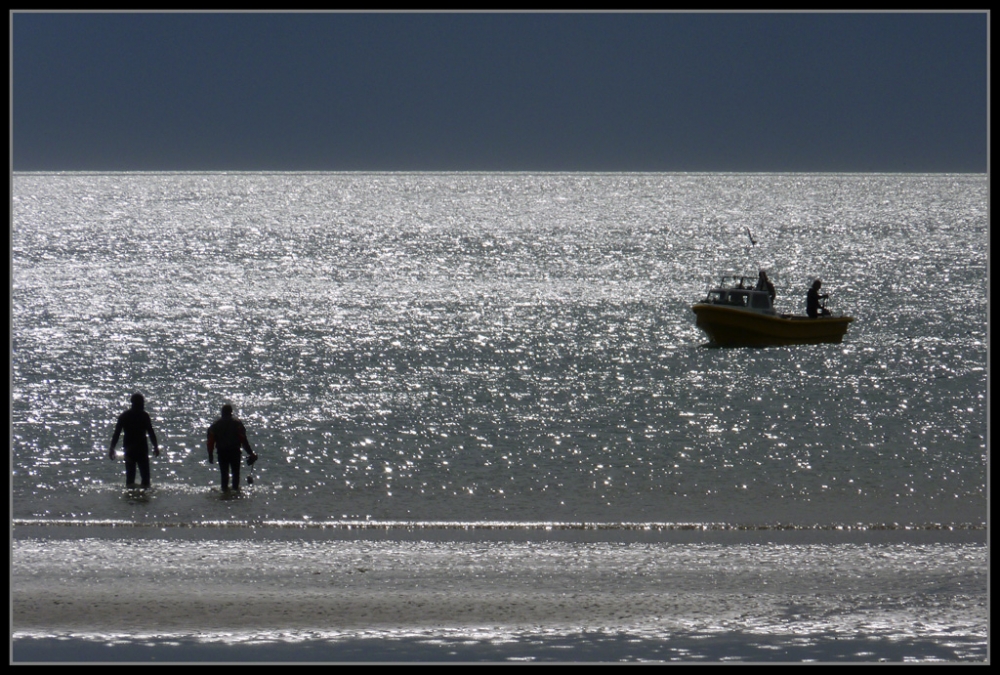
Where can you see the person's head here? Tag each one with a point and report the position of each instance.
(138, 401)
(817, 284)
(227, 410)
(762, 275)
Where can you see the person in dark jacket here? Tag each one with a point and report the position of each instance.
(227, 435)
(764, 284)
(813, 309)
(136, 424)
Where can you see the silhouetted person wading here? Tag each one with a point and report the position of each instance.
(228, 435)
(136, 424)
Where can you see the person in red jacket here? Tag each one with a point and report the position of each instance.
(227, 435)
(136, 424)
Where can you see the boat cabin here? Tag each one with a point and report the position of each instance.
(757, 300)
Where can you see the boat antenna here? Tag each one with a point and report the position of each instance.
(751, 258)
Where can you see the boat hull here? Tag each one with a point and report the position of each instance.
(735, 327)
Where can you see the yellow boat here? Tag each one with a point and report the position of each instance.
(743, 317)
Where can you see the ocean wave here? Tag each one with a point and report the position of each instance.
(497, 525)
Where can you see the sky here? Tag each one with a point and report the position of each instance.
(892, 92)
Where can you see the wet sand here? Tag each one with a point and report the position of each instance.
(143, 586)
(356, 598)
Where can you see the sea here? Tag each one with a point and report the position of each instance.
(512, 357)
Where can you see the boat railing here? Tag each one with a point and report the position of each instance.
(832, 313)
(738, 281)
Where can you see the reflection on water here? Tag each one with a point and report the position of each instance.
(505, 599)
(501, 347)
(485, 645)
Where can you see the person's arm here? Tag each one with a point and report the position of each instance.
(152, 436)
(251, 455)
(114, 439)
(211, 446)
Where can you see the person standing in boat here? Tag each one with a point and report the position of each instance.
(813, 297)
(764, 284)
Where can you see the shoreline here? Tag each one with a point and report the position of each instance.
(413, 647)
(512, 532)
(238, 594)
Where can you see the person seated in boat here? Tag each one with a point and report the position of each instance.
(813, 297)
(764, 284)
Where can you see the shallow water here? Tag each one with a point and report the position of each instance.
(321, 598)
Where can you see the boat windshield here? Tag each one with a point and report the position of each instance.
(739, 298)
(732, 298)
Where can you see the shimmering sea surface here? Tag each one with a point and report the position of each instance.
(499, 352)
(151, 596)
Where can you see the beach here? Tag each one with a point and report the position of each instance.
(205, 594)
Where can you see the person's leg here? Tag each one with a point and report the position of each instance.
(230, 464)
(143, 464)
(224, 470)
(235, 467)
(129, 471)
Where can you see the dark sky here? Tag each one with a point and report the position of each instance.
(499, 92)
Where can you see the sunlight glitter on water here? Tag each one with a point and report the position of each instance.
(523, 340)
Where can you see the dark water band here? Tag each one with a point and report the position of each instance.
(408, 525)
